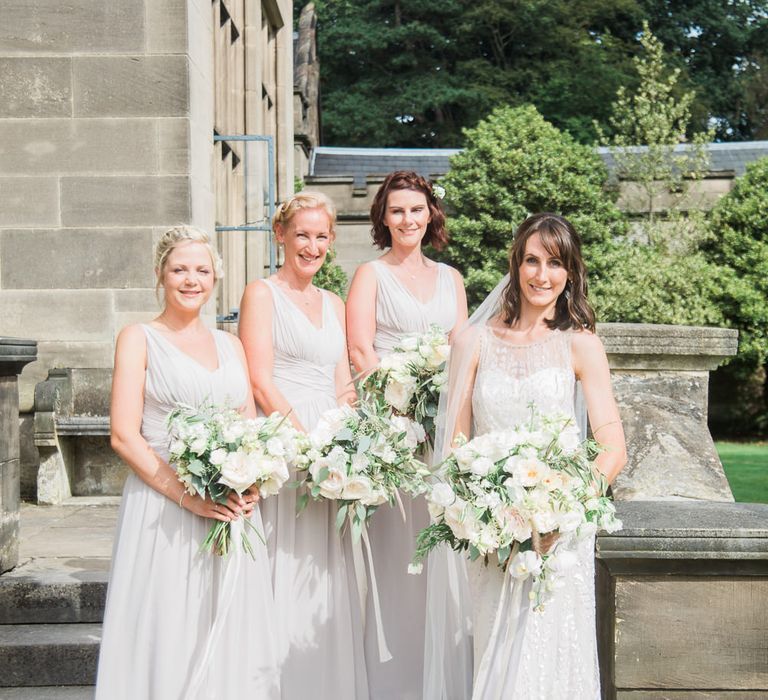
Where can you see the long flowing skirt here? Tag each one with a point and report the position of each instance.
(521, 653)
(172, 610)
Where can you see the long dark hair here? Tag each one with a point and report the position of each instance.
(559, 238)
(436, 235)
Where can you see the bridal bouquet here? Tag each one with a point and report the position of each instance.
(502, 490)
(217, 451)
(408, 380)
(361, 459)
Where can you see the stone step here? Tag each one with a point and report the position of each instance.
(49, 655)
(51, 692)
(54, 591)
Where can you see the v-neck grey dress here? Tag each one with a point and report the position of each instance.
(172, 609)
(315, 588)
(402, 596)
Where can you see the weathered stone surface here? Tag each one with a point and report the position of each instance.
(124, 201)
(56, 315)
(96, 469)
(130, 86)
(660, 619)
(671, 452)
(682, 596)
(31, 259)
(35, 87)
(9, 514)
(173, 146)
(9, 417)
(657, 346)
(28, 456)
(167, 26)
(29, 201)
(74, 146)
(660, 377)
(62, 354)
(137, 300)
(79, 26)
(691, 695)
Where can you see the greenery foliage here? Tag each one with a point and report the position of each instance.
(409, 73)
(516, 163)
(331, 277)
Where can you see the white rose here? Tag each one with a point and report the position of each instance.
(409, 343)
(275, 447)
(512, 523)
(570, 521)
(570, 439)
(481, 466)
(360, 462)
(461, 520)
(333, 486)
(199, 445)
(442, 495)
(398, 394)
(415, 569)
(544, 521)
(218, 456)
(357, 488)
(485, 540)
(374, 498)
(414, 433)
(233, 432)
(178, 448)
(525, 564)
(238, 471)
(271, 485)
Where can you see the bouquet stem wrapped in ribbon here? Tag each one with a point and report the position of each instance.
(501, 490)
(361, 459)
(217, 451)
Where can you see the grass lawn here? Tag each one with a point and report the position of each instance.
(746, 466)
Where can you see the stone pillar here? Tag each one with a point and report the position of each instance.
(682, 601)
(14, 355)
(660, 378)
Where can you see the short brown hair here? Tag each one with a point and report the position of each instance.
(436, 235)
(559, 237)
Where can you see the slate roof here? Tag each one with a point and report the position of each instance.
(359, 163)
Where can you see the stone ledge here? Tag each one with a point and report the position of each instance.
(15, 354)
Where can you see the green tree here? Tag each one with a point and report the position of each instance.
(516, 163)
(332, 277)
(656, 117)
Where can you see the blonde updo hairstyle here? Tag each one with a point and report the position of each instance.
(304, 200)
(184, 234)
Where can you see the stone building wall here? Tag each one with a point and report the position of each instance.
(106, 139)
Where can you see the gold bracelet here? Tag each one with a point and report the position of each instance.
(181, 499)
(605, 425)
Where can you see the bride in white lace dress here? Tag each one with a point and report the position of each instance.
(530, 348)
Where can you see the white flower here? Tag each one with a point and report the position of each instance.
(481, 466)
(529, 471)
(410, 342)
(333, 485)
(525, 564)
(177, 448)
(374, 498)
(460, 518)
(238, 471)
(398, 394)
(218, 456)
(442, 495)
(485, 540)
(438, 191)
(271, 485)
(199, 445)
(233, 432)
(414, 432)
(275, 447)
(512, 523)
(357, 488)
(415, 569)
(569, 439)
(360, 462)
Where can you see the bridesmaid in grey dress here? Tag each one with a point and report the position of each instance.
(401, 293)
(181, 624)
(294, 339)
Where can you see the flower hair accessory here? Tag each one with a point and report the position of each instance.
(438, 191)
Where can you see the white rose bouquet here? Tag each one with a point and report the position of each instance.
(408, 381)
(362, 459)
(217, 451)
(502, 490)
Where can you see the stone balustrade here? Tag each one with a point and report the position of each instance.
(660, 377)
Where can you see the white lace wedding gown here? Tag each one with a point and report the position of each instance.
(393, 541)
(181, 624)
(315, 587)
(549, 655)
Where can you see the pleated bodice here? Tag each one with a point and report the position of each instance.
(174, 377)
(305, 356)
(399, 313)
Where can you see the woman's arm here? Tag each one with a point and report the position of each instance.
(255, 331)
(345, 388)
(361, 319)
(127, 405)
(465, 356)
(591, 368)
